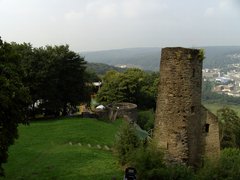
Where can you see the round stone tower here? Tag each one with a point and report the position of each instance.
(178, 114)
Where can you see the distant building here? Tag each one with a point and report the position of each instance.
(223, 80)
(210, 73)
(123, 66)
(224, 88)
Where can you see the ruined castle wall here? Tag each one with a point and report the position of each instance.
(178, 114)
(211, 146)
(125, 110)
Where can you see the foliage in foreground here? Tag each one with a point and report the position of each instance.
(229, 126)
(146, 158)
(13, 99)
(149, 163)
(227, 167)
(127, 141)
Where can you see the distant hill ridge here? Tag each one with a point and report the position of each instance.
(149, 58)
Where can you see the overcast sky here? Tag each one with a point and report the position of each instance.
(88, 25)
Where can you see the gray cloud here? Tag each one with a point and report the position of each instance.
(107, 24)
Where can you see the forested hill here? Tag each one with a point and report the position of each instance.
(101, 69)
(145, 58)
(220, 56)
(148, 58)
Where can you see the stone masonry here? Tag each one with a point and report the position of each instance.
(183, 127)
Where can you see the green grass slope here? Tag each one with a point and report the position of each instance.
(51, 150)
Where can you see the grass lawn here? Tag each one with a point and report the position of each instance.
(213, 107)
(51, 150)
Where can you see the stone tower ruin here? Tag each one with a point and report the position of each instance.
(183, 127)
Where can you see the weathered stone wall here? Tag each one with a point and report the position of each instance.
(211, 142)
(183, 127)
(178, 115)
(125, 110)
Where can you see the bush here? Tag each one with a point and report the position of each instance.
(150, 165)
(227, 167)
(179, 172)
(229, 127)
(127, 141)
(146, 119)
(146, 158)
(148, 161)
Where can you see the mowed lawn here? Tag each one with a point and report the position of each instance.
(51, 149)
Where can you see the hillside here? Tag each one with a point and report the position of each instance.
(64, 149)
(148, 58)
(145, 58)
(101, 69)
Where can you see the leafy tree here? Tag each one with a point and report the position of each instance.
(55, 76)
(92, 76)
(133, 85)
(64, 84)
(14, 99)
(229, 128)
(32, 68)
(110, 91)
(149, 91)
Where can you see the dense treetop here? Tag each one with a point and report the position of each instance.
(14, 98)
(133, 85)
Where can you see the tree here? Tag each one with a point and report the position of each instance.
(32, 68)
(110, 91)
(64, 85)
(55, 77)
(149, 91)
(14, 99)
(229, 128)
(133, 85)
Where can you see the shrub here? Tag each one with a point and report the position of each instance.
(229, 124)
(227, 167)
(179, 172)
(150, 165)
(146, 119)
(147, 158)
(148, 161)
(127, 141)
